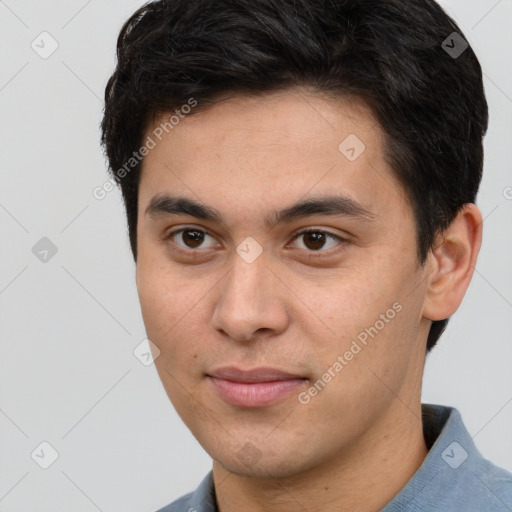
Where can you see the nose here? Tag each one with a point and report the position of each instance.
(251, 301)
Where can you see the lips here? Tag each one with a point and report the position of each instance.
(252, 376)
(258, 387)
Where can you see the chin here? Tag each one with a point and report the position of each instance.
(245, 459)
(274, 470)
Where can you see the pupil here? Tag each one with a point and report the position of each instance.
(195, 239)
(317, 239)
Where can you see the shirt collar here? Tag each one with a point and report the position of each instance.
(452, 459)
(454, 476)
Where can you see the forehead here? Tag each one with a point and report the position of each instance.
(294, 116)
(246, 152)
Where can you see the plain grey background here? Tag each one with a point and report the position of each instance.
(69, 324)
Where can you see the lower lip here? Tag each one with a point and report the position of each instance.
(257, 394)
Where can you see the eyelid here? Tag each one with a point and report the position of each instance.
(314, 229)
(320, 252)
(172, 233)
(294, 236)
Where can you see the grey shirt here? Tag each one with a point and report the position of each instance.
(454, 477)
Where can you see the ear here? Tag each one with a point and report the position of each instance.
(452, 263)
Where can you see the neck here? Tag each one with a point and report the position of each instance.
(364, 477)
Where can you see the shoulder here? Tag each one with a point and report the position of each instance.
(200, 500)
(183, 504)
(482, 482)
(495, 483)
(479, 486)
(476, 482)
(454, 476)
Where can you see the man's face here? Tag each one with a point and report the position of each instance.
(342, 316)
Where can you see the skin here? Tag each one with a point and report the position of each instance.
(356, 443)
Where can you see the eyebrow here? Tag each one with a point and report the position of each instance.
(338, 205)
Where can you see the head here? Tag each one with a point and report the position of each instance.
(243, 109)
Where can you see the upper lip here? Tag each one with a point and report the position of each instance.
(253, 375)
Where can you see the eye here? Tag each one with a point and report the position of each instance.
(315, 240)
(191, 238)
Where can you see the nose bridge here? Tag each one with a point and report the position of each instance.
(248, 280)
(248, 298)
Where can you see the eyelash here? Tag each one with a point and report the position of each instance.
(311, 253)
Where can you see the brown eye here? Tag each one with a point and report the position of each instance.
(315, 240)
(192, 238)
(189, 238)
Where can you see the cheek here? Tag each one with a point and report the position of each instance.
(363, 316)
(169, 319)
(162, 301)
(172, 307)
(155, 299)
(340, 304)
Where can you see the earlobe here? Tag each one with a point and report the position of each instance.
(453, 262)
